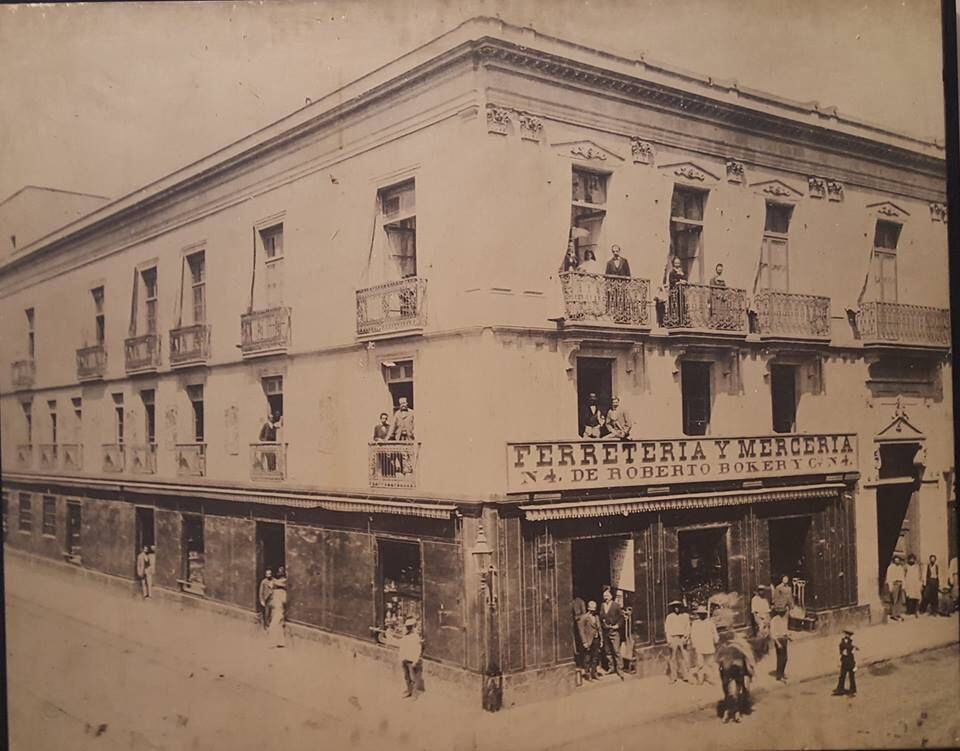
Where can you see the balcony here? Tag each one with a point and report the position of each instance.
(191, 459)
(23, 373)
(72, 456)
(892, 324)
(698, 308)
(393, 464)
(189, 345)
(265, 332)
(392, 309)
(143, 459)
(48, 453)
(268, 461)
(25, 456)
(594, 300)
(142, 353)
(91, 363)
(113, 457)
(783, 315)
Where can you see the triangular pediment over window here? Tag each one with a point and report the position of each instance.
(776, 189)
(900, 430)
(587, 151)
(689, 171)
(888, 209)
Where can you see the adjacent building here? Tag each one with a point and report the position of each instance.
(201, 365)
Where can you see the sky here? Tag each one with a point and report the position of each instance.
(105, 98)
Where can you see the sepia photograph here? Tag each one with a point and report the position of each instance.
(474, 375)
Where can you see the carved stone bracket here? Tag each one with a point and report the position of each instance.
(834, 190)
(817, 187)
(734, 171)
(531, 128)
(642, 151)
(938, 212)
(570, 350)
(498, 120)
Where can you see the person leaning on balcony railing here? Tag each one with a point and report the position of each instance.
(268, 434)
(590, 263)
(617, 265)
(593, 419)
(570, 260)
(618, 421)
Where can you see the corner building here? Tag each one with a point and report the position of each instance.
(401, 238)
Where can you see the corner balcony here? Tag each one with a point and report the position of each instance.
(787, 316)
(24, 458)
(392, 309)
(189, 345)
(191, 459)
(91, 363)
(265, 332)
(72, 456)
(885, 324)
(393, 464)
(268, 461)
(113, 457)
(142, 353)
(23, 374)
(593, 300)
(48, 456)
(698, 309)
(143, 459)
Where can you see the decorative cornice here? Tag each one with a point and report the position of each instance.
(642, 151)
(777, 189)
(938, 212)
(734, 171)
(690, 171)
(587, 152)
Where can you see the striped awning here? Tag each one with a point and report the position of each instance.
(627, 506)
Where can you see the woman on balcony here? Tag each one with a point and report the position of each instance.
(590, 263)
(570, 260)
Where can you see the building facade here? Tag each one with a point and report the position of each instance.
(201, 365)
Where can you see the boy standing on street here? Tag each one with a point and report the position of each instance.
(848, 666)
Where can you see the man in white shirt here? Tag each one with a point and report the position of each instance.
(780, 634)
(703, 639)
(677, 628)
(760, 608)
(411, 659)
(894, 579)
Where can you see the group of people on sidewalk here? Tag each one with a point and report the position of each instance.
(919, 588)
(272, 598)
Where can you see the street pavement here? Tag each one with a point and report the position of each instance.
(91, 666)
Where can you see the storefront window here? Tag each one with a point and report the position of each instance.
(401, 582)
(193, 562)
(703, 563)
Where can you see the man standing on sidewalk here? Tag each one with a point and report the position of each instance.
(760, 608)
(590, 636)
(611, 615)
(263, 596)
(895, 574)
(677, 628)
(780, 635)
(411, 659)
(703, 639)
(931, 588)
(144, 571)
(783, 595)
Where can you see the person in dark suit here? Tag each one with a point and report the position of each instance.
(592, 418)
(591, 638)
(611, 617)
(848, 666)
(617, 265)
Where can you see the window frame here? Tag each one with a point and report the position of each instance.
(54, 419)
(775, 238)
(196, 395)
(794, 401)
(692, 264)
(883, 258)
(402, 223)
(196, 263)
(582, 210)
(25, 521)
(26, 407)
(31, 315)
(148, 398)
(48, 525)
(402, 383)
(119, 427)
(99, 314)
(151, 298)
(687, 418)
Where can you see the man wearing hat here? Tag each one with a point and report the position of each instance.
(611, 616)
(677, 628)
(592, 418)
(588, 627)
(760, 608)
(703, 639)
(411, 659)
(848, 665)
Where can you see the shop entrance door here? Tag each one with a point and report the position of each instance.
(145, 530)
(788, 547)
(896, 505)
(271, 550)
(600, 561)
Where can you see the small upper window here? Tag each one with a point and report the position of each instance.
(198, 285)
(398, 210)
(272, 239)
(686, 230)
(887, 235)
(587, 211)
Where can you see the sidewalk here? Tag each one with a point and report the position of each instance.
(365, 694)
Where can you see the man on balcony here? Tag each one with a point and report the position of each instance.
(402, 430)
(592, 419)
(618, 421)
(617, 265)
(268, 434)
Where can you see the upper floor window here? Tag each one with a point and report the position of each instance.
(27, 408)
(783, 396)
(196, 264)
(144, 309)
(884, 261)
(271, 240)
(587, 210)
(52, 409)
(695, 387)
(100, 318)
(31, 334)
(118, 426)
(773, 252)
(686, 230)
(49, 516)
(77, 403)
(398, 217)
(147, 396)
(195, 394)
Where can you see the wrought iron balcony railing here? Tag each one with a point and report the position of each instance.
(265, 332)
(268, 461)
(48, 455)
(592, 298)
(143, 459)
(189, 345)
(142, 353)
(25, 456)
(113, 457)
(72, 456)
(700, 307)
(391, 308)
(191, 459)
(23, 373)
(393, 464)
(908, 325)
(791, 316)
(91, 363)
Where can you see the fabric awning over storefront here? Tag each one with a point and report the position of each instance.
(626, 506)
